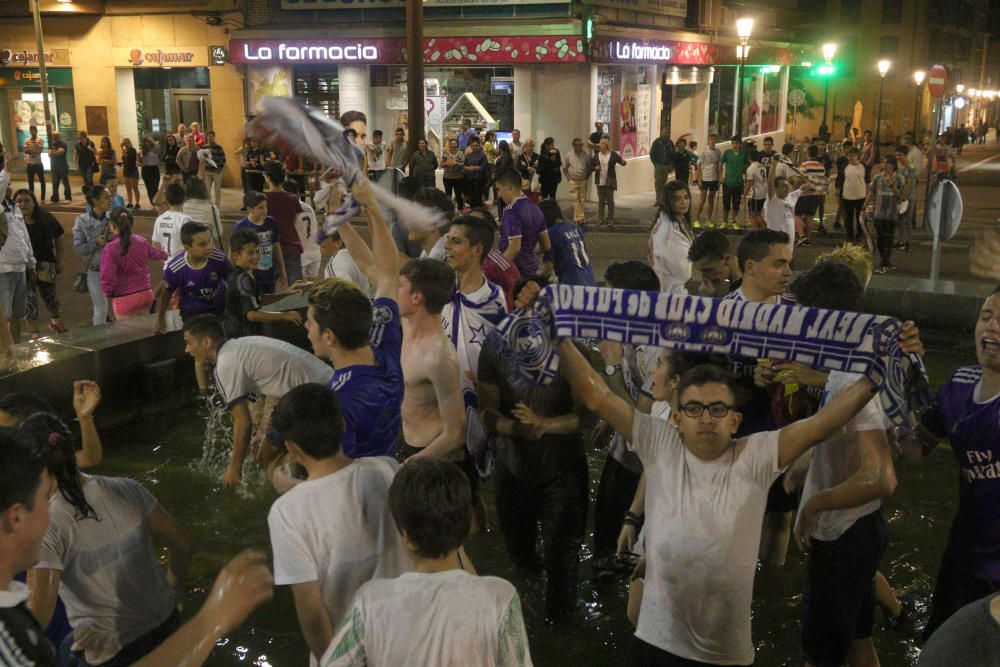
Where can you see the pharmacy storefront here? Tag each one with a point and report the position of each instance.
(484, 79)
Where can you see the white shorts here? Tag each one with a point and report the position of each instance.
(310, 265)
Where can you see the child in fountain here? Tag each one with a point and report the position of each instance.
(439, 614)
(243, 293)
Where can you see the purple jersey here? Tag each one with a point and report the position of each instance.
(523, 220)
(201, 290)
(973, 430)
(569, 254)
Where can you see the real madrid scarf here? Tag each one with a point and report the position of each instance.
(827, 339)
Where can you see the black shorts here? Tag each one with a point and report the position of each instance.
(644, 654)
(807, 206)
(710, 186)
(755, 205)
(779, 500)
(467, 464)
(838, 598)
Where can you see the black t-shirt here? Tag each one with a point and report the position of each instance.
(535, 461)
(42, 233)
(243, 294)
(595, 137)
(59, 160)
(22, 640)
(85, 153)
(842, 163)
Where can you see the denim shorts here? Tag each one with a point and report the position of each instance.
(13, 292)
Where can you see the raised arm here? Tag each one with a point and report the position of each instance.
(86, 396)
(802, 435)
(359, 251)
(383, 248)
(590, 388)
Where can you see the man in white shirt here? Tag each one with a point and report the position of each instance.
(853, 195)
(708, 178)
(439, 614)
(305, 226)
(516, 147)
(333, 532)
(167, 227)
(432, 240)
(705, 498)
(259, 366)
(342, 265)
(779, 209)
(840, 520)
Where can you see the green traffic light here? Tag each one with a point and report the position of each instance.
(824, 70)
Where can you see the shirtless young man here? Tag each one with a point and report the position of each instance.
(433, 410)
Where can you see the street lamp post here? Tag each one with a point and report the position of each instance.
(918, 78)
(42, 75)
(744, 27)
(883, 69)
(829, 51)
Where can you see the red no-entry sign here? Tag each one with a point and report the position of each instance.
(936, 80)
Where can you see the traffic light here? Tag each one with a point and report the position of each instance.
(587, 25)
(824, 70)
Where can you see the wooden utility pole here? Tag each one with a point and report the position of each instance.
(415, 71)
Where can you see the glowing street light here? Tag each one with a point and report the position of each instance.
(829, 51)
(918, 78)
(883, 69)
(744, 27)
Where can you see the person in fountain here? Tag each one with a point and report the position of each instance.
(257, 367)
(705, 499)
(439, 614)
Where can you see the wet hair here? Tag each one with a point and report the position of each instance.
(94, 193)
(205, 326)
(434, 279)
(21, 466)
(275, 171)
(437, 199)
(349, 117)
(253, 198)
(408, 187)
(309, 416)
(832, 285)
(551, 210)
(510, 178)
(241, 238)
(195, 188)
(191, 229)
(289, 185)
(174, 193)
(51, 436)
(477, 230)
(707, 374)
(710, 244)
(22, 404)
(123, 220)
(340, 306)
(632, 274)
(756, 245)
(431, 501)
(855, 256)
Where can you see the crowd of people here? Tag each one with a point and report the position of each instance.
(380, 438)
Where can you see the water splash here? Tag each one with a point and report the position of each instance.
(217, 447)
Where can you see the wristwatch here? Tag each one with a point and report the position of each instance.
(611, 369)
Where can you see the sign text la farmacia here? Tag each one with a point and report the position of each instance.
(286, 52)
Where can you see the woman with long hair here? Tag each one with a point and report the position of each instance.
(549, 168)
(99, 553)
(130, 173)
(108, 159)
(671, 238)
(125, 267)
(198, 208)
(149, 160)
(90, 235)
(170, 152)
(45, 234)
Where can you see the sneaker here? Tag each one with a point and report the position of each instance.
(802, 240)
(822, 230)
(54, 200)
(737, 227)
(709, 224)
(898, 244)
(57, 326)
(907, 248)
(890, 267)
(696, 224)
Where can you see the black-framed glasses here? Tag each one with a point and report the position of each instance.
(717, 410)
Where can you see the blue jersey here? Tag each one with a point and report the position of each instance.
(370, 396)
(569, 254)
(522, 220)
(266, 271)
(201, 290)
(973, 430)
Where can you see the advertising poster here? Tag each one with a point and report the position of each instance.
(643, 103)
(268, 81)
(435, 109)
(627, 120)
(29, 111)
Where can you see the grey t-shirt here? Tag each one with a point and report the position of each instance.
(265, 366)
(970, 637)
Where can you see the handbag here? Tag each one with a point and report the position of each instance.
(80, 283)
(45, 272)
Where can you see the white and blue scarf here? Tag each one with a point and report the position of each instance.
(827, 339)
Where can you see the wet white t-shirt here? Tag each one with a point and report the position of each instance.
(779, 214)
(441, 619)
(837, 458)
(342, 265)
(668, 255)
(111, 581)
(265, 366)
(306, 227)
(757, 175)
(702, 535)
(338, 530)
(167, 231)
